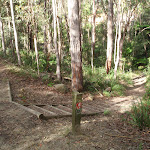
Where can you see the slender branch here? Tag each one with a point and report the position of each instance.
(144, 29)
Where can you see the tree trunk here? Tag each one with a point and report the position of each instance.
(11, 44)
(58, 69)
(118, 31)
(35, 38)
(26, 39)
(59, 22)
(45, 36)
(93, 35)
(30, 37)
(49, 41)
(36, 52)
(66, 21)
(124, 33)
(59, 38)
(49, 33)
(118, 51)
(15, 33)
(109, 35)
(67, 28)
(2, 35)
(75, 45)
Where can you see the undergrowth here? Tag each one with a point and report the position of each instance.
(23, 71)
(140, 113)
(99, 81)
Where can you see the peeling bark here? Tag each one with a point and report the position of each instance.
(75, 45)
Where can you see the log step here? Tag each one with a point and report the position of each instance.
(57, 111)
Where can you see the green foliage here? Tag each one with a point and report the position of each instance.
(50, 84)
(126, 77)
(141, 146)
(107, 112)
(147, 94)
(98, 81)
(141, 114)
(118, 89)
(107, 94)
(136, 48)
(23, 71)
(45, 78)
(66, 66)
(27, 58)
(93, 79)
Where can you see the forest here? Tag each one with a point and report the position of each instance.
(97, 47)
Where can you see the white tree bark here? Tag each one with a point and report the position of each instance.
(2, 35)
(15, 32)
(118, 28)
(45, 26)
(93, 35)
(59, 38)
(109, 35)
(36, 52)
(58, 68)
(35, 36)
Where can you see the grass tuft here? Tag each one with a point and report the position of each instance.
(140, 114)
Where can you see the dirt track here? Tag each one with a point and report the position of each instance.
(20, 130)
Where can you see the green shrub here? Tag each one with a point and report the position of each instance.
(105, 93)
(126, 77)
(50, 84)
(140, 114)
(99, 80)
(118, 90)
(147, 94)
(107, 112)
(45, 77)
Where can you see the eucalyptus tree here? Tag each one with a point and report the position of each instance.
(75, 45)
(49, 29)
(109, 35)
(93, 35)
(58, 67)
(45, 33)
(33, 4)
(11, 41)
(15, 32)
(117, 39)
(66, 20)
(59, 27)
(2, 35)
(128, 10)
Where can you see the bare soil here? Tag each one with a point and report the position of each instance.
(20, 130)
